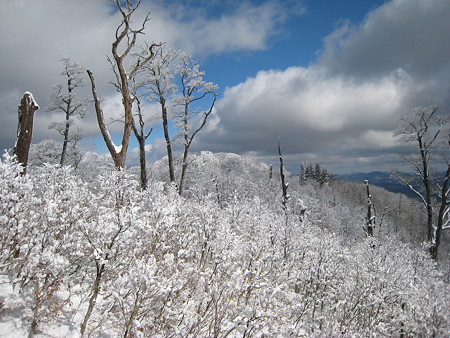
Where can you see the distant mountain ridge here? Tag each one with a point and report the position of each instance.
(380, 179)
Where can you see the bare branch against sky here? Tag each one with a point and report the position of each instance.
(330, 77)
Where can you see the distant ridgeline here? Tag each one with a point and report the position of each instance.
(383, 180)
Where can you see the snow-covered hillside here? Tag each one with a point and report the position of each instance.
(87, 251)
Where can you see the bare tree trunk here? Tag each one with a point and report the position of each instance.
(67, 125)
(143, 164)
(186, 149)
(427, 186)
(94, 293)
(133, 315)
(118, 158)
(167, 138)
(25, 129)
(141, 138)
(443, 209)
(284, 186)
(188, 139)
(66, 139)
(370, 218)
(284, 203)
(36, 308)
(121, 47)
(183, 170)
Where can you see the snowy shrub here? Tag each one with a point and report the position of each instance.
(97, 255)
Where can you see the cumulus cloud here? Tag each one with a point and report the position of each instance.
(340, 110)
(411, 35)
(343, 107)
(308, 109)
(36, 34)
(248, 27)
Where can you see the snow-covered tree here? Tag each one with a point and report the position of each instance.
(99, 253)
(64, 98)
(424, 126)
(49, 151)
(157, 86)
(192, 117)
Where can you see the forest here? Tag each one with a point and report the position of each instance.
(86, 251)
(202, 244)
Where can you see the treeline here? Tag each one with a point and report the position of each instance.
(315, 172)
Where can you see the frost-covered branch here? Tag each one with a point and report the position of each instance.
(66, 101)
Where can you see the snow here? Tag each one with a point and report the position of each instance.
(32, 100)
(117, 149)
(194, 264)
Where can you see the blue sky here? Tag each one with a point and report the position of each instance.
(328, 77)
(298, 42)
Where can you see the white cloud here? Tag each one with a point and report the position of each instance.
(306, 106)
(381, 139)
(343, 106)
(246, 27)
(36, 34)
(407, 34)
(340, 108)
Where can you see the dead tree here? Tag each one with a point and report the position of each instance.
(159, 86)
(194, 89)
(424, 125)
(141, 137)
(370, 218)
(64, 99)
(284, 202)
(27, 108)
(122, 47)
(443, 221)
(284, 185)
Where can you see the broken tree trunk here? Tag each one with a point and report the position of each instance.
(25, 129)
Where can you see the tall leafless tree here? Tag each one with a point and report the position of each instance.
(370, 218)
(443, 221)
(159, 86)
(141, 136)
(423, 125)
(122, 47)
(194, 89)
(284, 202)
(64, 99)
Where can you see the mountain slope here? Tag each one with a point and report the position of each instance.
(379, 179)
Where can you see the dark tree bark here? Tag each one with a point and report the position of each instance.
(159, 86)
(427, 186)
(165, 122)
(26, 112)
(423, 126)
(370, 218)
(284, 203)
(443, 215)
(141, 137)
(284, 185)
(100, 269)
